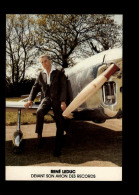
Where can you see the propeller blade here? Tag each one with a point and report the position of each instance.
(90, 89)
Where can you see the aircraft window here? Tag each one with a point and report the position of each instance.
(109, 93)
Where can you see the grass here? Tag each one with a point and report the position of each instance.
(26, 118)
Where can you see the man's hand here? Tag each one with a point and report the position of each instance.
(63, 106)
(29, 103)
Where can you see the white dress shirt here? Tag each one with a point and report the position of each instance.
(48, 76)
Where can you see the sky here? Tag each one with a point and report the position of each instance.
(118, 18)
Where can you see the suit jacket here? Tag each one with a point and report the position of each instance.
(57, 91)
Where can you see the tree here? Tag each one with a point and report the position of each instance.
(19, 46)
(67, 35)
(63, 36)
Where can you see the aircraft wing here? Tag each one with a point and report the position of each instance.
(13, 106)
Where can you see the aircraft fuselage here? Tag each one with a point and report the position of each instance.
(106, 103)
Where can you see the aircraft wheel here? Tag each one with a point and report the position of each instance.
(18, 149)
(17, 145)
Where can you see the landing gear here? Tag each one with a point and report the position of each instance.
(17, 145)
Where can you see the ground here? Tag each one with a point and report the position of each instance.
(86, 144)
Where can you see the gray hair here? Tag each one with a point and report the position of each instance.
(45, 55)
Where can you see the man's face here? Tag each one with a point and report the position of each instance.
(45, 62)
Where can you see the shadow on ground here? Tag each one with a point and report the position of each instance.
(84, 142)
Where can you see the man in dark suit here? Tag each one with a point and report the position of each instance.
(52, 84)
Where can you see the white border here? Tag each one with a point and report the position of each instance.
(39, 173)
